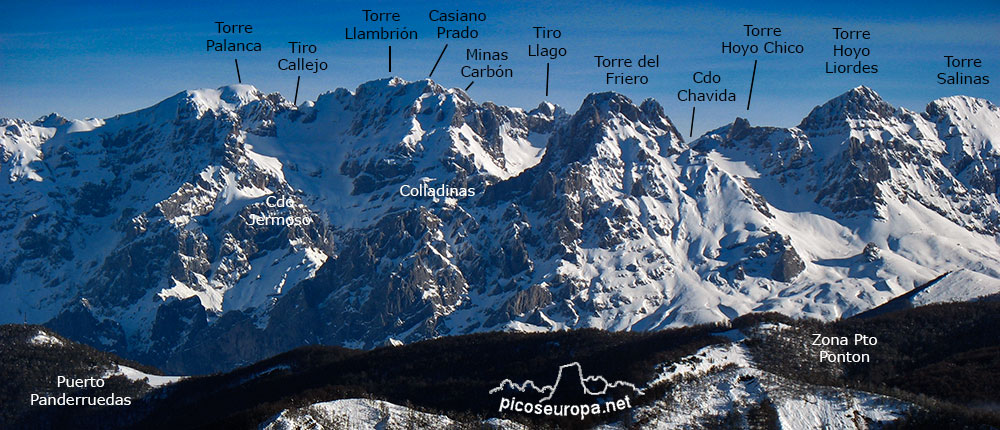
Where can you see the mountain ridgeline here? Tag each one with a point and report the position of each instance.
(222, 226)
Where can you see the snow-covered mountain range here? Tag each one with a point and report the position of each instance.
(158, 234)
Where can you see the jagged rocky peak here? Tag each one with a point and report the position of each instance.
(970, 129)
(652, 113)
(375, 101)
(545, 117)
(548, 109)
(860, 103)
(51, 120)
(781, 146)
(606, 113)
(398, 90)
(395, 130)
(602, 107)
(240, 94)
(738, 135)
(961, 106)
(967, 118)
(229, 97)
(739, 129)
(230, 101)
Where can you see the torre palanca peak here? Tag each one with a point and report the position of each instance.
(242, 105)
(225, 98)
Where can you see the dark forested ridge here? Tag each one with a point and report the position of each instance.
(945, 357)
(942, 358)
(31, 359)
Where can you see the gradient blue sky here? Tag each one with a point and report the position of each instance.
(100, 60)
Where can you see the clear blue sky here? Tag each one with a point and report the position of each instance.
(97, 61)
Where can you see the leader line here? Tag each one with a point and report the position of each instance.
(438, 60)
(752, 77)
(296, 102)
(546, 79)
(238, 79)
(691, 132)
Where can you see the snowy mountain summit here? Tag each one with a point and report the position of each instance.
(224, 225)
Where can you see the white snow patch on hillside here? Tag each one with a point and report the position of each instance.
(154, 381)
(80, 126)
(210, 299)
(704, 361)
(269, 164)
(227, 98)
(21, 145)
(733, 167)
(45, 339)
(722, 379)
(835, 409)
(262, 282)
(357, 414)
(975, 119)
(959, 286)
(521, 154)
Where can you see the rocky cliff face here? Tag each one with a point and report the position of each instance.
(220, 226)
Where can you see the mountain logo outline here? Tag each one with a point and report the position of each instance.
(577, 371)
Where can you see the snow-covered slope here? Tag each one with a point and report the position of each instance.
(721, 384)
(896, 185)
(153, 381)
(960, 286)
(140, 233)
(360, 414)
(718, 386)
(130, 213)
